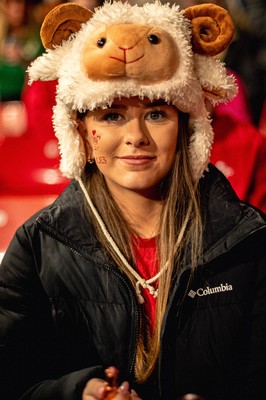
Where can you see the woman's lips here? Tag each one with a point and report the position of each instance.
(137, 160)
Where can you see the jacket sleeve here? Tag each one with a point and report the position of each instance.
(256, 381)
(27, 333)
(257, 189)
(67, 387)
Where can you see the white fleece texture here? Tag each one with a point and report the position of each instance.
(75, 91)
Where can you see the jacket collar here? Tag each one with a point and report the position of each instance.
(65, 220)
(227, 221)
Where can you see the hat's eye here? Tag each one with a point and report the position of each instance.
(101, 42)
(153, 39)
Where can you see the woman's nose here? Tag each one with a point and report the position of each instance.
(137, 134)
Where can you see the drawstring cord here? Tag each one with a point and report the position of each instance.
(141, 283)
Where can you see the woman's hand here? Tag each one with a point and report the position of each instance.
(191, 396)
(98, 389)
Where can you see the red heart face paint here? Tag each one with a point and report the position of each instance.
(95, 139)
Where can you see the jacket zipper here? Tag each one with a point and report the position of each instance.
(133, 297)
(136, 320)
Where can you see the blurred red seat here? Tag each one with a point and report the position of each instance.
(14, 211)
(29, 157)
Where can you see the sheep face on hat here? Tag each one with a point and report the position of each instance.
(155, 51)
(137, 51)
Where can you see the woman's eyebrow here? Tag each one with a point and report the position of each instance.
(119, 106)
(156, 103)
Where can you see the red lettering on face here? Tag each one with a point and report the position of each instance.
(94, 132)
(101, 160)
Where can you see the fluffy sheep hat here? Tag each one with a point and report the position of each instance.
(156, 51)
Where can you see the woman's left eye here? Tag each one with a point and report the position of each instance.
(156, 115)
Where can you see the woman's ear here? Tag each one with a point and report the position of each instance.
(82, 130)
(81, 127)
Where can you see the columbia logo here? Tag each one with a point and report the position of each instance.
(210, 290)
(192, 294)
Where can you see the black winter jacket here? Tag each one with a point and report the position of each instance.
(67, 312)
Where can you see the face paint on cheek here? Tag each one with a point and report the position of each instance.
(101, 160)
(95, 139)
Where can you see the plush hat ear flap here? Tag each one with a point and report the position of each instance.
(212, 28)
(61, 22)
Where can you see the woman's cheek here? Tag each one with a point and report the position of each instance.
(96, 137)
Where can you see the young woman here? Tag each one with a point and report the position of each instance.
(147, 264)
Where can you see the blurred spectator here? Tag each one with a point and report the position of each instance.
(239, 149)
(247, 53)
(19, 45)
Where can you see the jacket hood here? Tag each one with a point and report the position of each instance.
(227, 220)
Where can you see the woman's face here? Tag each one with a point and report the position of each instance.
(133, 143)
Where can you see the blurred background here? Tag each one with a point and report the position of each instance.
(29, 159)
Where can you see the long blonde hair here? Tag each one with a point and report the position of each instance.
(180, 228)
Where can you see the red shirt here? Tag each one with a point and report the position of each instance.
(147, 267)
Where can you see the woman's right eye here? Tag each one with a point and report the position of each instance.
(112, 117)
